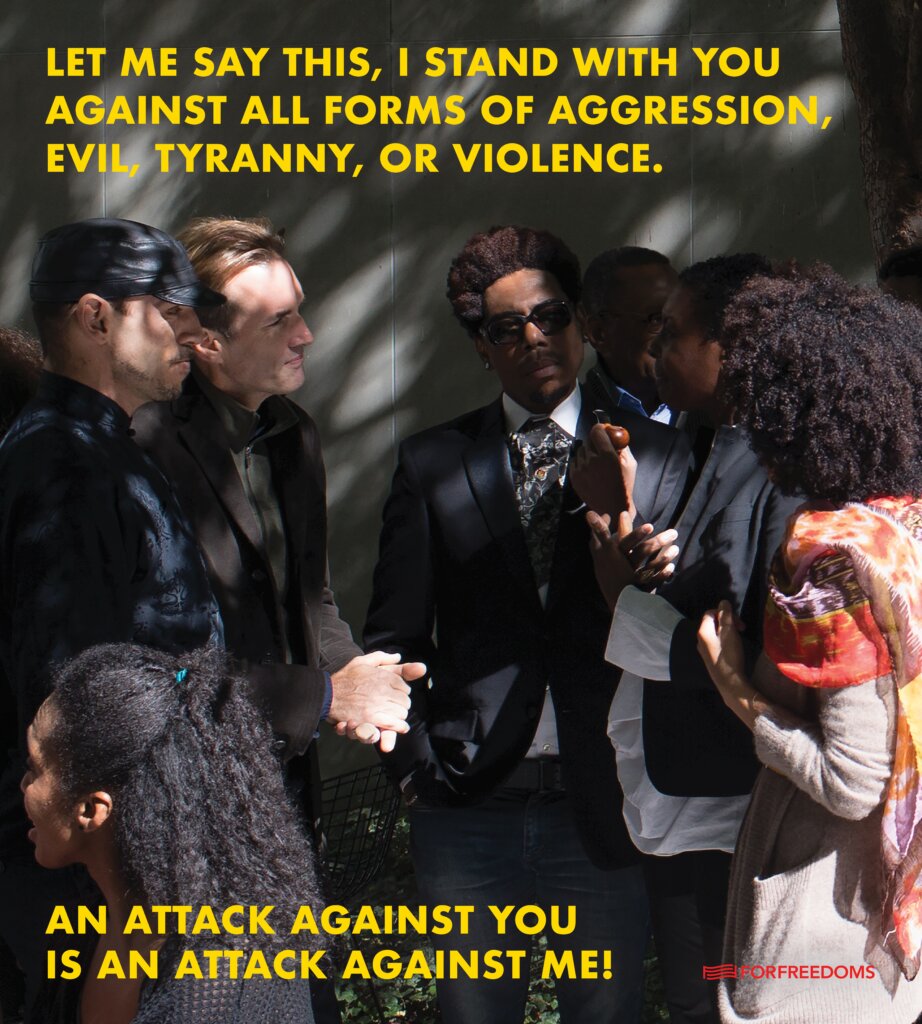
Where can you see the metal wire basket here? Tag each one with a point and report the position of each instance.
(359, 811)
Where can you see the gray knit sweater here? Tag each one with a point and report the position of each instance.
(805, 888)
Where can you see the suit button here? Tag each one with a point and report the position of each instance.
(258, 576)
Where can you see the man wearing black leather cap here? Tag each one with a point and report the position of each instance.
(93, 546)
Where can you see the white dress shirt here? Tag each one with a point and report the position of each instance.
(639, 642)
(566, 416)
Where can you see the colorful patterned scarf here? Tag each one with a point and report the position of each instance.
(845, 607)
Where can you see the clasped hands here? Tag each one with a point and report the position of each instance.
(603, 477)
(371, 698)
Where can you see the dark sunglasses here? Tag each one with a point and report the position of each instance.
(549, 317)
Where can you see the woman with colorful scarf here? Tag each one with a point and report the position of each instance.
(825, 916)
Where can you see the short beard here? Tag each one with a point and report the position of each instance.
(147, 386)
(542, 404)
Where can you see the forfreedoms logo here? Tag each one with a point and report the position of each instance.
(718, 971)
(777, 972)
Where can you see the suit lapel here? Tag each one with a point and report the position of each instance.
(203, 436)
(586, 420)
(298, 490)
(303, 503)
(676, 467)
(572, 531)
(661, 453)
(489, 475)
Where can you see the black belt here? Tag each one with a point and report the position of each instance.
(537, 774)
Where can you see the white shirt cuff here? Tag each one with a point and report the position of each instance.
(640, 637)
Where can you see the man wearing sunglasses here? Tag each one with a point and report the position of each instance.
(622, 305)
(485, 575)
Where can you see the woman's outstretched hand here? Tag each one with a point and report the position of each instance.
(721, 648)
(720, 644)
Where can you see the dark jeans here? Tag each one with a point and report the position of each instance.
(688, 905)
(522, 849)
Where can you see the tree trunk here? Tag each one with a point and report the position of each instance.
(882, 47)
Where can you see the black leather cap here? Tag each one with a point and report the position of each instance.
(115, 259)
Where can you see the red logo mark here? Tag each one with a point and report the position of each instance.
(718, 971)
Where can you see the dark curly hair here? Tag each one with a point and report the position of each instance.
(200, 812)
(713, 283)
(493, 254)
(826, 378)
(20, 366)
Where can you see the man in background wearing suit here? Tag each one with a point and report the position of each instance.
(485, 574)
(624, 291)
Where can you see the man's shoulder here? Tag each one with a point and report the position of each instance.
(152, 417)
(650, 435)
(635, 422)
(50, 463)
(43, 434)
(156, 428)
(193, 404)
(457, 432)
(156, 417)
(305, 420)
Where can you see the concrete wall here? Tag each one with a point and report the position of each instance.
(373, 252)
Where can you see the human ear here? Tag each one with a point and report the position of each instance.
(93, 313)
(210, 346)
(94, 811)
(591, 326)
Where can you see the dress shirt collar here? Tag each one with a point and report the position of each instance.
(565, 415)
(243, 426)
(623, 399)
(82, 402)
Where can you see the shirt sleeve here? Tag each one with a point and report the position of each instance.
(337, 648)
(843, 760)
(641, 635)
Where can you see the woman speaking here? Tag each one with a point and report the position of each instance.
(824, 923)
(157, 774)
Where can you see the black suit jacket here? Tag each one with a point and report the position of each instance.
(454, 587)
(729, 529)
(94, 549)
(188, 441)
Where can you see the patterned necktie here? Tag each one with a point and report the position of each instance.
(540, 453)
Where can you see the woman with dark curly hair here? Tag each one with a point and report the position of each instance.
(156, 772)
(825, 378)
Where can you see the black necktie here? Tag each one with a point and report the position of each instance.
(541, 451)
